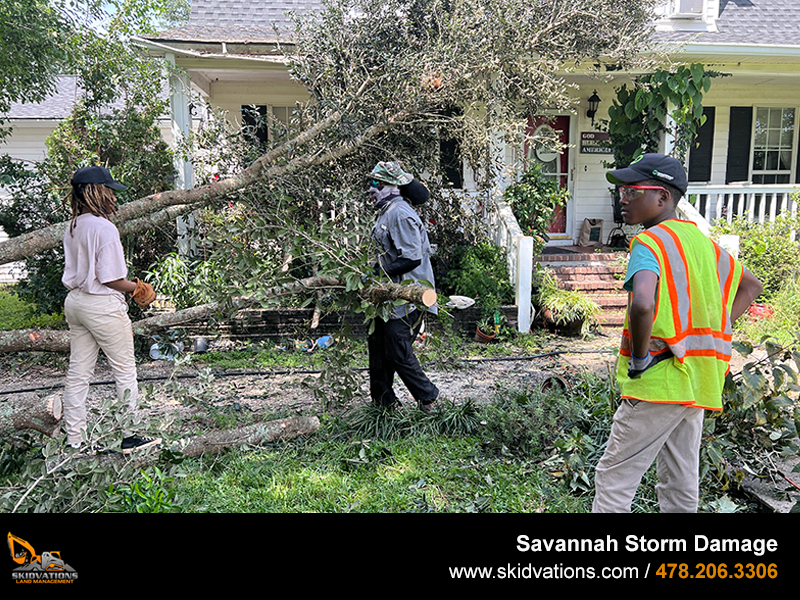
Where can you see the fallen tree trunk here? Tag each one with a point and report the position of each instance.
(35, 340)
(259, 433)
(212, 443)
(40, 414)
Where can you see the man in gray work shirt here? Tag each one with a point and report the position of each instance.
(403, 253)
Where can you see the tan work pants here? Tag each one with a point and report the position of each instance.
(641, 433)
(96, 322)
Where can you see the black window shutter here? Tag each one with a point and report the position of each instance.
(702, 149)
(738, 165)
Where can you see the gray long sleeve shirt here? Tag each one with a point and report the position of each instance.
(400, 233)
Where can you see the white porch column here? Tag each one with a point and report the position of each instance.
(181, 126)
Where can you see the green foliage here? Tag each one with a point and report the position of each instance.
(149, 493)
(481, 272)
(33, 51)
(373, 421)
(769, 250)
(637, 116)
(761, 418)
(338, 383)
(186, 282)
(16, 313)
(55, 478)
(563, 307)
(534, 199)
(527, 422)
(782, 321)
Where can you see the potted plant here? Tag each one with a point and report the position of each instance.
(566, 312)
(486, 330)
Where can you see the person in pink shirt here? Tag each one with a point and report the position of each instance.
(96, 275)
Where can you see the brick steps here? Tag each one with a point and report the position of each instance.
(597, 274)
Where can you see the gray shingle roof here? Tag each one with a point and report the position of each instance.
(769, 22)
(58, 106)
(234, 21)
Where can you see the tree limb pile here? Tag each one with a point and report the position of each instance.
(35, 340)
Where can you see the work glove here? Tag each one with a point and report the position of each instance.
(637, 366)
(144, 293)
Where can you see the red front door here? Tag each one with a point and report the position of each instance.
(554, 164)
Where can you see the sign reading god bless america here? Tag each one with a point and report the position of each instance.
(595, 142)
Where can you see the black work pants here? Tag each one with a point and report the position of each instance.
(391, 351)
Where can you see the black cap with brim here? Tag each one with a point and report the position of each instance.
(652, 166)
(99, 175)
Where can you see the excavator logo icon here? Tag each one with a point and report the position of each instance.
(46, 567)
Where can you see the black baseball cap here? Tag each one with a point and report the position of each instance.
(652, 166)
(96, 175)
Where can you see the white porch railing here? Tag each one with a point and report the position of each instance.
(506, 233)
(756, 203)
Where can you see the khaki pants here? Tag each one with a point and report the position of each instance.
(641, 433)
(96, 322)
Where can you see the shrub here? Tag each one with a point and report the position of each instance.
(16, 313)
(481, 272)
(768, 250)
(526, 422)
(533, 199)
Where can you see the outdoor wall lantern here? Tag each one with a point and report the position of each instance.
(594, 102)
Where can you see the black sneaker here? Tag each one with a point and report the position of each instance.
(130, 444)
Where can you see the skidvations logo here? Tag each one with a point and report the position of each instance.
(44, 568)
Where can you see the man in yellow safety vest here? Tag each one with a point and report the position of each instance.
(685, 292)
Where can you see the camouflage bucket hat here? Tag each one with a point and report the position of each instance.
(391, 173)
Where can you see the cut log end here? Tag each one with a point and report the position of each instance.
(429, 297)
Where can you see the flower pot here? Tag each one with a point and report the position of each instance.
(481, 337)
(573, 327)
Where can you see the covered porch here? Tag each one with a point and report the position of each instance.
(593, 269)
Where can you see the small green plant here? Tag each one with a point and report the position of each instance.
(564, 309)
(149, 493)
(533, 200)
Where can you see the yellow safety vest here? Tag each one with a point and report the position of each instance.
(695, 295)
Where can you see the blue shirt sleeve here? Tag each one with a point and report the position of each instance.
(642, 259)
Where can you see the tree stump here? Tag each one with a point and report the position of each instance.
(40, 414)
